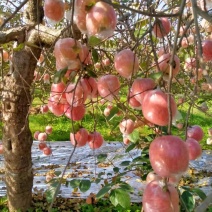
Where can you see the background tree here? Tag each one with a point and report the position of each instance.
(138, 28)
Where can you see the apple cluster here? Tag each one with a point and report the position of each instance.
(42, 138)
(169, 158)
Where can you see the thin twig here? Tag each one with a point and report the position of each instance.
(13, 14)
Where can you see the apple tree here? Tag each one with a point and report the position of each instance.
(145, 59)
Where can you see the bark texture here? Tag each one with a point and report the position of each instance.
(17, 138)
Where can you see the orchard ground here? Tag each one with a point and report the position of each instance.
(98, 164)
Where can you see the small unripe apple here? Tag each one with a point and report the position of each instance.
(1, 149)
(47, 151)
(36, 135)
(126, 126)
(42, 136)
(48, 129)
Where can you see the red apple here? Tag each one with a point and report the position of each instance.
(76, 94)
(91, 84)
(162, 27)
(44, 108)
(80, 138)
(126, 63)
(168, 156)
(42, 145)
(1, 149)
(66, 52)
(164, 66)
(207, 50)
(108, 86)
(158, 198)
(155, 107)
(36, 135)
(195, 132)
(74, 113)
(152, 176)
(47, 151)
(42, 136)
(48, 129)
(54, 9)
(101, 20)
(56, 108)
(95, 140)
(126, 126)
(140, 87)
(194, 148)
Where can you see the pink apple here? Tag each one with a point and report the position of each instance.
(126, 126)
(108, 86)
(44, 108)
(207, 50)
(42, 136)
(164, 66)
(54, 9)
(162, 27)
(80, 138)
(140, 87)
(101, 20)
(95, 140)
(155, 107)
(126, 63)
(168, 156)
(36, 135)
(48, 129)
(194, 148)
(158, 198)
(195, 132)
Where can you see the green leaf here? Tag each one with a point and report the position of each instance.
(101, 158)
(59, 75)
(199, 192)
(130, 147)
(141, 23)
(188, 200)
(156, 76)
(103, 191)
(116, 169)
(126, 187)
(125, 163)
(57, 173)
(94, 41)
(113, 113)
(122, 197)
(84, 185)
(134, 136)
(113, 198)
(95, 56)
(52, 191)
(138, 159)
(19, 47)
(92, 73)
(74, 183)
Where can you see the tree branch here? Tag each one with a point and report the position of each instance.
(203, 207)
(143, 12)
(44, 35)
(203, 14)
(14, 34)
(13, 14)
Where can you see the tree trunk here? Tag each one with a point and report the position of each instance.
(17, 138)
